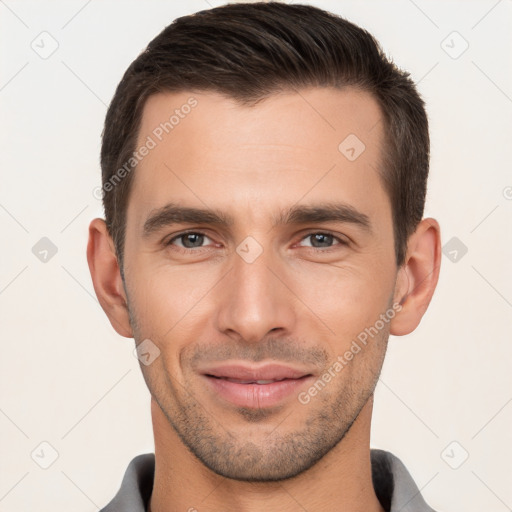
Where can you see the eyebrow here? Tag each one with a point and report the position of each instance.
(173, 213)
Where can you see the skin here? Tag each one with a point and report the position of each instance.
(292, 304)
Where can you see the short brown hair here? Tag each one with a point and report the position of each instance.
(250, 51)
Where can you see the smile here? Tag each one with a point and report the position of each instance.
(256, 394)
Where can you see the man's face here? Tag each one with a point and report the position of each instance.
(263, 288)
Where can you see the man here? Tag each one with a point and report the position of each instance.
(264, 174)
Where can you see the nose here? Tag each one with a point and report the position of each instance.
(256, 300)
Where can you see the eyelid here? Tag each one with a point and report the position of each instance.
(342, 240)
(187, 232)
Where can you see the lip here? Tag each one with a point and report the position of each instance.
(288, 380)
(269, 371)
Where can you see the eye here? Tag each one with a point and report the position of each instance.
(189, 241)
(323, 240)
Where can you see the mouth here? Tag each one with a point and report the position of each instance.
(240, 381)
(255, 387)
(250, 374)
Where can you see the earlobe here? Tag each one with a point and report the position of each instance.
(417, 278)
(106, 277)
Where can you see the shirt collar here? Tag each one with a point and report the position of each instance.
(393, 485)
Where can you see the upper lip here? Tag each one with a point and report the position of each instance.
(270, 371)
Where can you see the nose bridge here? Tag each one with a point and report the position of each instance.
(254, 301)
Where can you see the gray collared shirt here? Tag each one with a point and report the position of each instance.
(393, 485)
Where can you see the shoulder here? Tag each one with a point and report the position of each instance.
(136, 486)
(394, 485)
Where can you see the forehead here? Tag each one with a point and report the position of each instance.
(207, 149)
(284, 118)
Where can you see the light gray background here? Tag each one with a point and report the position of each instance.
(69, 380)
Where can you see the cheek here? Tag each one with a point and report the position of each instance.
(169, 300)
(346, 298)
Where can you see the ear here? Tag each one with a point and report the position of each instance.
(106, 277)
(417, 277)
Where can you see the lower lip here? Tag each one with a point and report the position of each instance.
(256, 396)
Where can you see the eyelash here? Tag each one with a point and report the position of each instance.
(314, 249)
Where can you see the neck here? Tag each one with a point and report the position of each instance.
(340, 481)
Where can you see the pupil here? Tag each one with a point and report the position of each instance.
(190, 236)
(321, 238)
